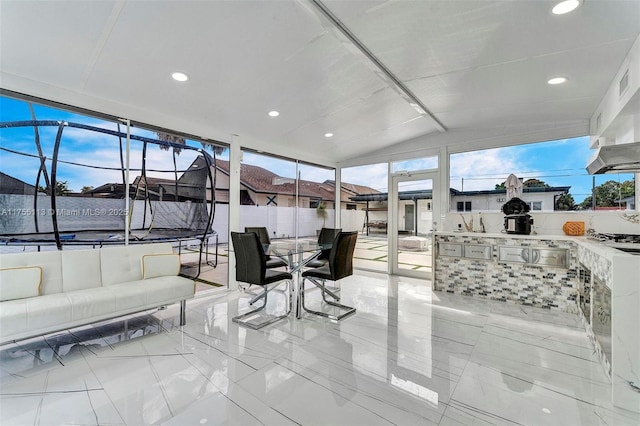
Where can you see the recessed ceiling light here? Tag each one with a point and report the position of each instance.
(179, 76)
(557, 80)
(273, 113)
(565, 7)
(328, 135)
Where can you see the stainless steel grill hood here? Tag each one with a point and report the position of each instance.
(622, 158)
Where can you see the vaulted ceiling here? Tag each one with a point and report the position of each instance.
(374, 73)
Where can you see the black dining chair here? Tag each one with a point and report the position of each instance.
(263, 235)
(339, 266)
(251, 268)
(326, 236)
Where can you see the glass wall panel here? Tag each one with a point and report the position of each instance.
(415, 164)
(317, 189)
(552, 175)
(272, 197)
(365, 210)
(64, 181)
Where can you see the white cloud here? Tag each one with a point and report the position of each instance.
(374, 176)
(483, 169)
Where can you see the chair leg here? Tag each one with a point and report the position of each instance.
(349, 310)
(240, 319)
(261, 295)
(183, 312)
(325, 290)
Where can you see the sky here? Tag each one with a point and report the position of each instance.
(558, 163)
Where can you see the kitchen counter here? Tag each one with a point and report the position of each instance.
(502, 273)
(512, 268)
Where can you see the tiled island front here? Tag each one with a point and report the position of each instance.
(530, 270)
(575, 275)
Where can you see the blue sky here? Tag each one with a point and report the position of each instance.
(95, 149)
(558, 163)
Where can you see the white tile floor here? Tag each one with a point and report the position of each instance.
(409, 356)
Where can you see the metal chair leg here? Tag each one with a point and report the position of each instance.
(349, 310)
(261, 295)
(240, 318)
(324, 289)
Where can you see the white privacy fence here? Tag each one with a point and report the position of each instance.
(281, 221)
(80, 213)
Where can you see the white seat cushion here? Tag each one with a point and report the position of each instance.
(91, 303)
(14, 317)
(45, 311)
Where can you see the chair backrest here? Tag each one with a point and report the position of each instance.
(341, 255)
(261, 232)
(250, 261)
(327, 236)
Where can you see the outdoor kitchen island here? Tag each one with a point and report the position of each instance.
(595, 281)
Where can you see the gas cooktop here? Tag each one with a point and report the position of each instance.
(614, 238)
(626, 249)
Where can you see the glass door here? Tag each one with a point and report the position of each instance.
(414, 203)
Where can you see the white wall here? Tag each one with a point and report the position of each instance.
(551, 223)
(494, 202)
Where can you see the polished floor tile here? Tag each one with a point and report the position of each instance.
(409, 356)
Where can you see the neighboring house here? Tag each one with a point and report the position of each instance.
(259, 186)
(538, 198)
(415, 207)
(11, 185)
(630, 202)
(155, 189)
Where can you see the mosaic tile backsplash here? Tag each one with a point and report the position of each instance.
(526, 284)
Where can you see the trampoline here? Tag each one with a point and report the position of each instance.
(162, 191)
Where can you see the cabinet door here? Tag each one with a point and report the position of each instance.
(474, 251)
(513, 254)
(449, 249)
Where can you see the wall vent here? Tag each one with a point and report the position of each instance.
(624, 83)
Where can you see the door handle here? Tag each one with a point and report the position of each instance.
(536, 255)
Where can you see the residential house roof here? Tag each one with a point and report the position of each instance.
(263, 181)
(11, 185)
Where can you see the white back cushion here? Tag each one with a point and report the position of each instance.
(20, 282)
(49, 261)
(124, 263)
(160, 265)
(81, 269)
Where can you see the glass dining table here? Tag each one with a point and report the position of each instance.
(297, 254)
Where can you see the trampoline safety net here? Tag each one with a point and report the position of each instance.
(168, 185)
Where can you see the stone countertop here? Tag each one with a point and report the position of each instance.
(597, 247)
(505, 235)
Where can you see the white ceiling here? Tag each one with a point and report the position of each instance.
(476, 66)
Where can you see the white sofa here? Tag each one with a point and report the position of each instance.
(43, 292)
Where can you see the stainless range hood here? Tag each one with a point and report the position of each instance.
(622, 158)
